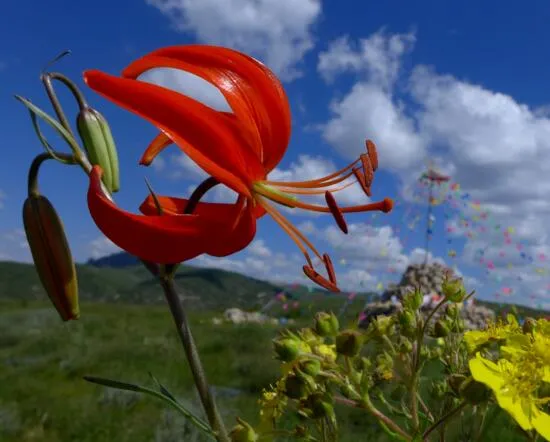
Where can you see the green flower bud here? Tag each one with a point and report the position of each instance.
(348, 343)
(407, 321)
(529, 325)
(455, 381)
(99, 145)
(413, 300)
(453, 311)
(311, 367)
(383, 324)
(453, 290)
(320, 405)
(289, 348)
(51, 255)
(475, 392)
(296, 387)
(326, 324)
(243, 432)
(441, 329)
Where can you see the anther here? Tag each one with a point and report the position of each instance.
(336, 213)
(373, 155)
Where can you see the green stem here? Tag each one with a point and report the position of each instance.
(367, 404)
(444, 418)
(32, 181)
(199, 376)
(47, 80)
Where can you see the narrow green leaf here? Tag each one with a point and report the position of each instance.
(45, 142)
(199, 423)
(162, 389)
(52, 122)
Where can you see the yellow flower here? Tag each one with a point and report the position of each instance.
(326, 351)
(514, 385)
(494, 332)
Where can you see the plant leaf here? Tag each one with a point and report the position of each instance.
(199, 423)
(45, 142)
(52, 122)
(162, 389)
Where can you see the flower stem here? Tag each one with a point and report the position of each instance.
(195, 364)
(369, 406)
(444, 418)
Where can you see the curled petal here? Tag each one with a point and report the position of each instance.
(201, 132)
(245, 82)
(167, 239)
(159, 143)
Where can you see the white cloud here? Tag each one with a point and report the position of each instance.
(277, 32)
(378, 57)
(495, 147)
(369, 109)
(101, 247)
(259, 248)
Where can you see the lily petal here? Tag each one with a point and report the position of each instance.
(250, 82)
(168, 239)
(176, 206)
(200, 131)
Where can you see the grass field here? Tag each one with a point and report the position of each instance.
(43, 396)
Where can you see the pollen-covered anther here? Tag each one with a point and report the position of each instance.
(368, 169)
(330, 269)
(319, 279)
(336, 212)
(373, 155)
(360, 177)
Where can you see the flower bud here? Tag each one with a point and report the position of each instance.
(441, 329)
(455, 381)
(296, 387)
(99, 145)
(348, 343)
(475, 392)
(326, 324)
(243, 432)
(413, 300)
(320, 405)
(311, 367)
(453, 290)
(51, 255)
(407, 321)
(289, 348)
(383, 324)
(529, 325)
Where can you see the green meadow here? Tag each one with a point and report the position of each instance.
(42, 361)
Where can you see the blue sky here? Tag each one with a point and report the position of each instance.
(463, 84)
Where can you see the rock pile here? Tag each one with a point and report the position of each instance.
(238, 316)
(475, 316)
(429, 279)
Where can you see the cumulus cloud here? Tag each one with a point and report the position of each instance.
(277, 32)
(496, 147)
(370, 108)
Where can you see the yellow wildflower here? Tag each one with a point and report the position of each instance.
(326, 351)
(514, 385)
(495, 331)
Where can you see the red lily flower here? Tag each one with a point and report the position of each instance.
(237, 149)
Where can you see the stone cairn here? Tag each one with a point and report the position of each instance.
(429, 278)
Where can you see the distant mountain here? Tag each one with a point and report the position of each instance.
(120, 278)
(116, 260)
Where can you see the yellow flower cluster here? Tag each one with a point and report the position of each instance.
(519, 373)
